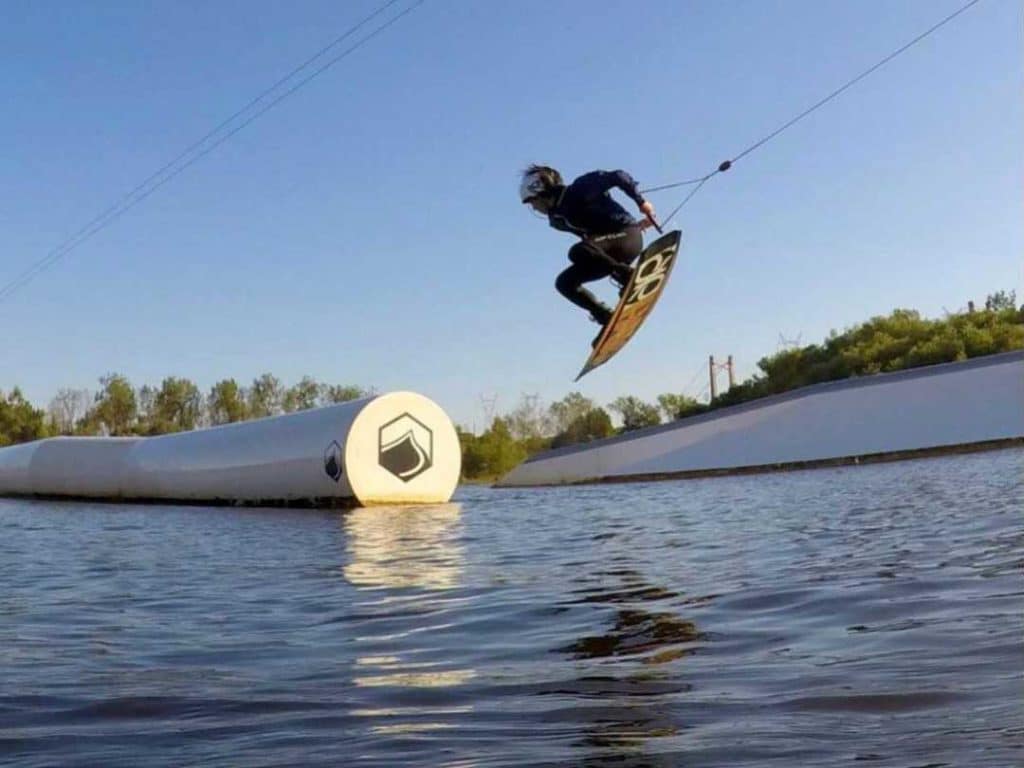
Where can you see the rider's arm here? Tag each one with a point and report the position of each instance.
(605, 180)
(598, 182)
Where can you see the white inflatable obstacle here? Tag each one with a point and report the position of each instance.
(976, 404)
(397, 448)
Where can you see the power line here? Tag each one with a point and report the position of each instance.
(854, 81)
(727, 164)
(70, 242)
(137, 195)
(699, 372)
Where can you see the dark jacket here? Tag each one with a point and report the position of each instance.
(585, 208)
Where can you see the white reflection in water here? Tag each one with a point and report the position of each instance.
(405, 547)
(441, 678)
(391, 670)
(417, 550)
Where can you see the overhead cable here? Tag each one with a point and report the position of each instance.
(147, 187)
(727, 164)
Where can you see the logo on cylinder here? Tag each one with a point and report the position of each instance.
(406, 447)
(332, 461)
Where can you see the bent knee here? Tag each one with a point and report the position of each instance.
(565, 284)
(580, 253)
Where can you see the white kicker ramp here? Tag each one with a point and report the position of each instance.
(397, 448)
(975, 402)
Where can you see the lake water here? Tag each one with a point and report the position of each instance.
(863, 616)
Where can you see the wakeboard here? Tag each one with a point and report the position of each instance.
(637, 300)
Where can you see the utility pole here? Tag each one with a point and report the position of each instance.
(714, 368)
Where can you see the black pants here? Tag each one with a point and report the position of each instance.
(602, 256)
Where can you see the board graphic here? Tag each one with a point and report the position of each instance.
(638, 299)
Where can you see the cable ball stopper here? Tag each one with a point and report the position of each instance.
(725, 166)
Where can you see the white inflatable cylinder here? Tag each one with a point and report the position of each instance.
(395, 448)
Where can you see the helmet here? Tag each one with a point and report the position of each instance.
(538, 179)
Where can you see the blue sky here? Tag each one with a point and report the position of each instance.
(368, 231)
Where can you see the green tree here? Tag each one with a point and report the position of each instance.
(635, 413)
(530, 424)
(492, 454)
(1006, 328)
(88, 425)
(673, 406)
(473, 463)
(115, 409)
(226, 402)
(1000, 300)
(176, 407)
(594, 424)
(301, 396)
(341, 393)
(20, 422)
(900, 340)
(565, 411)
(265, 396)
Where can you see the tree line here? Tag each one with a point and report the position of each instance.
(532, 427)
(894, 342)
(903, 339)
(118, 409)
(899, 340)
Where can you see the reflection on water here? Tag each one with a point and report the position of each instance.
(407, 557)
(628, 710)
(404, 676)
(404, 546)
(638, 632)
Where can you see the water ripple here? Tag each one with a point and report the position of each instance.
(867, 615)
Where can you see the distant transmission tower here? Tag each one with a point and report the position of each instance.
(785, 343)
(489, 405)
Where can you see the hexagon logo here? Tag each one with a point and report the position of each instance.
(333, 461)
(406, 447)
